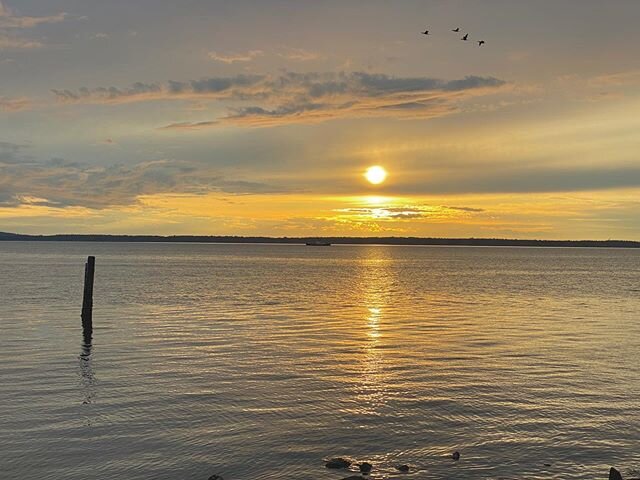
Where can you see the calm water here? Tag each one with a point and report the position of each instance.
(259, 361)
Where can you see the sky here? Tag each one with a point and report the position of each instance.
(260, 117)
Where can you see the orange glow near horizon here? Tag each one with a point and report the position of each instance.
(537, 216)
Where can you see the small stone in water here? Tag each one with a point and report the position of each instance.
(365, 467)
(354, 477)
(216, 477)
(403, 468)
(338, 463)
(456, 456)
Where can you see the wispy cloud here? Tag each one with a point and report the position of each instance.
(596, 87)
(14, 104)
(235, 57)
(299, 54)
(298, 98)
(407, 212)
(189, 125)
(11, 42)
(138, 92)
(62, 183)
(9, 19)
(264, 100)
(616, 79)
(10, 22)
(12, 153)
(465, 209)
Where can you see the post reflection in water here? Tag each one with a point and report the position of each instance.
(377, 278)
(87, 376)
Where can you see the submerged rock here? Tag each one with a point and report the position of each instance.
(365, 467)
(455, 455)
(403, 468)
(338, 463)
(614, 474)
(354, 477)
(216, 477)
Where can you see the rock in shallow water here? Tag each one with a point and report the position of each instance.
(403, 468)
(365, 467)
(338, 463)
(216, 477)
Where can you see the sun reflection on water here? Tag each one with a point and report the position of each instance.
(373, 320)
(376, 280)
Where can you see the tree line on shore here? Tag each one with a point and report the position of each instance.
(481, 242)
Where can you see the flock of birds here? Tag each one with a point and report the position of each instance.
(464, 38)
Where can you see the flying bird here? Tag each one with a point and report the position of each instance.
(481, 42)
(466, 37)
(457, 29)
(426, 32)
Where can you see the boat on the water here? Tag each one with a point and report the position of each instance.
(317, 243)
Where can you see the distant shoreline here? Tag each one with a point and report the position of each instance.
(471, 242)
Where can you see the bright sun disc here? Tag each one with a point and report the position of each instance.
(375, 175)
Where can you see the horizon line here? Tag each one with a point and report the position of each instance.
(389, 240)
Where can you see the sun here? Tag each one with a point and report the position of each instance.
(375, 175)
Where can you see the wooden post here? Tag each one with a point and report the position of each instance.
(87, 299)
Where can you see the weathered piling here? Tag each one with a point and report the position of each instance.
(614, 474)
(87, 299)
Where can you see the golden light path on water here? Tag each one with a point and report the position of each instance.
(376, 280)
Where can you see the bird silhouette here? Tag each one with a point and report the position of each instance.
(426, 32)
(481, 43)
(457, 29)
(466, 37)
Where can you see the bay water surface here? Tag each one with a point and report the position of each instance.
(260, 361)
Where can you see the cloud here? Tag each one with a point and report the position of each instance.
(235, 57)
(592, 88)
(9, 19)
(63, 183)
(189, 125)
(216, 88)
(110, 142)
(14, 104)
(11, 42)
(406, 212)
(616, 79)
(321, 97)
(299, 55)
(293, 54)
(137, 92)
(11, 153)
(264, 100)
(466, 209)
